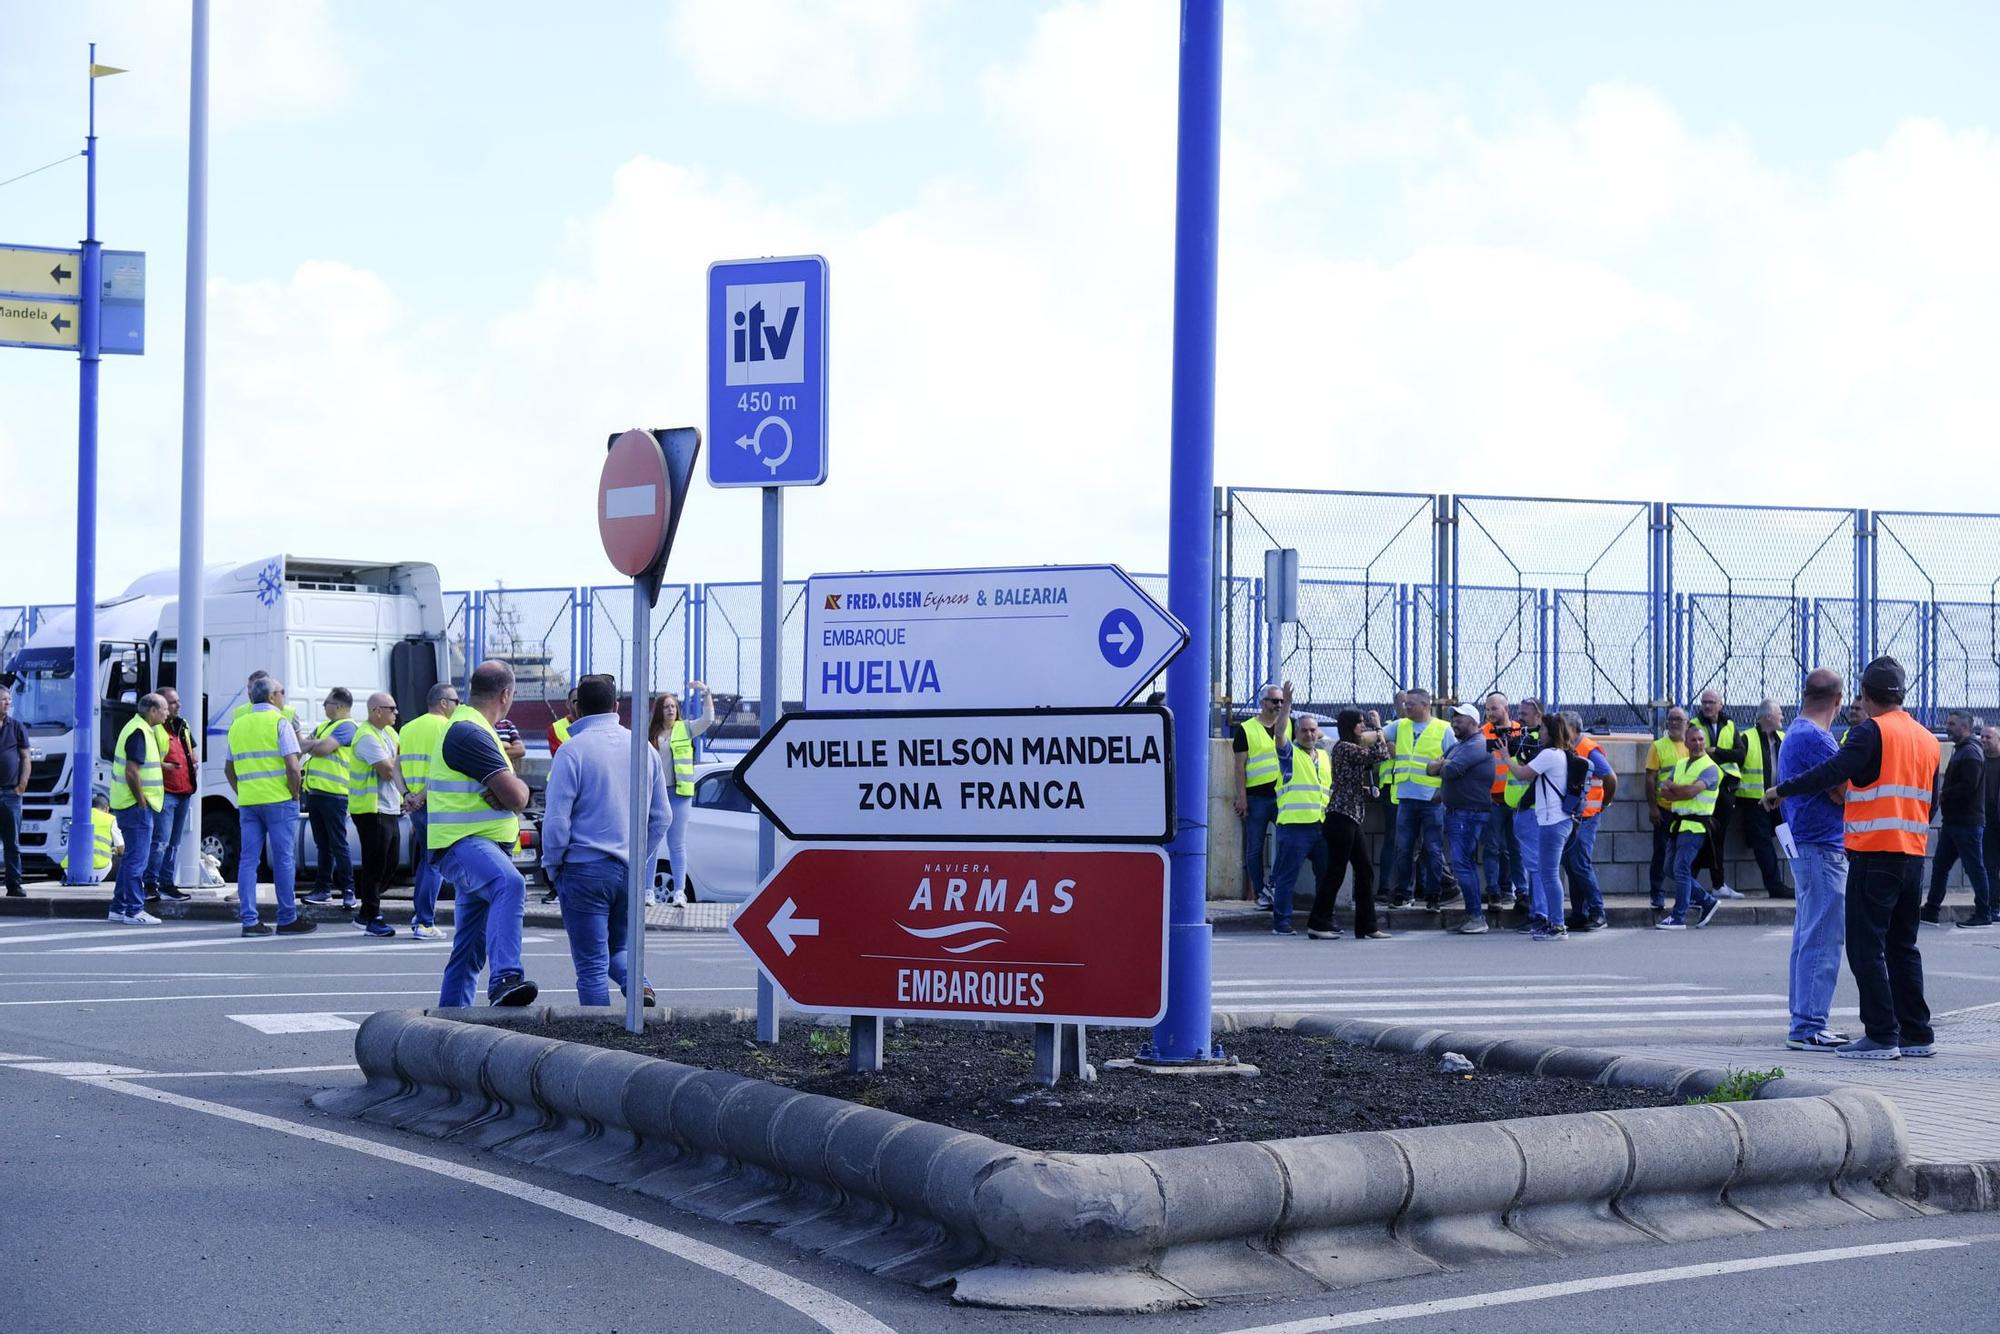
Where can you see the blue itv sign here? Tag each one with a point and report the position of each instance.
(767, 372)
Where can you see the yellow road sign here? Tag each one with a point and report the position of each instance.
(36, 271)
(27, 322)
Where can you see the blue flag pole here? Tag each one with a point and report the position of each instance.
(83, 756)
(1183, 1034)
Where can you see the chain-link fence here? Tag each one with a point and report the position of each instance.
(728, 652)
(1934, 581)
(1368, 593)
(1613, 608)
(608, 636)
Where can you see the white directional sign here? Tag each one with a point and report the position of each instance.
(1024, 637)
(986, 775)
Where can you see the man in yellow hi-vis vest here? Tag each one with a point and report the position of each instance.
(263, 772)
(328, 754)
(420, 739)
(472, 794)
(137, 794)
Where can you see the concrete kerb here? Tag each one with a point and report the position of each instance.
(928, 1204)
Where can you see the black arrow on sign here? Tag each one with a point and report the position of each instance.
(59, 273)
(59, 324)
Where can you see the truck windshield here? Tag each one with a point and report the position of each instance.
(44, 687)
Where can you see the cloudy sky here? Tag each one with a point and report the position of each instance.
(1707, 251)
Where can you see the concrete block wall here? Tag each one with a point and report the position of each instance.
(1624, 838)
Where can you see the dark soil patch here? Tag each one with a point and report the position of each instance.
(982, 1081)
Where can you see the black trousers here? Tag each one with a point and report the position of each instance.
(327, 813)
(1716, 852)
(1884, 892)
(1346, 847)
(378, 862)
(1760, 832)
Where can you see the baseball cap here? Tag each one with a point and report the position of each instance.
(1883, 678)
(1465, 711)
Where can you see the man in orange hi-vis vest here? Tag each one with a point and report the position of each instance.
(1889, 762)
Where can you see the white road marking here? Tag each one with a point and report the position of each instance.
(816, 1304)
(103, 929)
(1518, 1002)
(206, 940)
(237, 1074)
(16, 1056)
(1416, 1015)
(241, 995)
(309, 1022)
(1382, 1315)
(1335, 990)
(76, 1068)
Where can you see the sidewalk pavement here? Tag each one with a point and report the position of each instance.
(219, 905)
(1620, 910)
(1950, 1102)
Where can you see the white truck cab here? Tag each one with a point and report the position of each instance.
(314, 624)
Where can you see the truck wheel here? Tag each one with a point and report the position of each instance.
(220, 837)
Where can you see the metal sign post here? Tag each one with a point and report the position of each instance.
(640, 495)
(770, 709)
(767, 409)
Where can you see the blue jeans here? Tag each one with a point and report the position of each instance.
(677, 840)
(1260, 810)
(1687, 846)
(596, 901)
(1549, 840)
(1466, 832)
(1820, 872)
(1527, 837)
(486, 917)
(1962, 843)
(1419, 849)
(424, 895)
(168, 826)
(1663, 859)
(10, 837)
(1579, 859)
(1505, 872)
(1299, 845)
(271, 829)
(135, 822)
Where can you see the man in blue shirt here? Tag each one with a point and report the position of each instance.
(586, 829)
(1819, 866)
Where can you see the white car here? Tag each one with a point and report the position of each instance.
(722, 837)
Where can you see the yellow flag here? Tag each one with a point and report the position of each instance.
(99, 71)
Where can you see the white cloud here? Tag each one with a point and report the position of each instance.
(833, 60)
(1595, 300)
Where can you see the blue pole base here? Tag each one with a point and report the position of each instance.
(1183, 1034)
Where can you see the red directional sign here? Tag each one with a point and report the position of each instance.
(1044, 933)
(634, 505)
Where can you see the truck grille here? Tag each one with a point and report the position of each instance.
(47, 775)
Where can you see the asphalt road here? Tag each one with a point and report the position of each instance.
(190, 1187)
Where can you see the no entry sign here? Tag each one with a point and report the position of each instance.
(1049, 934)
(992, 775)
(634, 504)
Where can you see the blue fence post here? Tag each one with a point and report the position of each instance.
(1555, 648)
(1257, 654)
(1864, 593)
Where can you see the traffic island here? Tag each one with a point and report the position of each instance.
(1097, 1212)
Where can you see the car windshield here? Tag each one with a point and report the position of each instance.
(44, 688)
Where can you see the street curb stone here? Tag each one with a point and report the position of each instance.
(929, 1204)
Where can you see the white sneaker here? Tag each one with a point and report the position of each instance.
(1726, 892)
(115, 916)
(143, 918)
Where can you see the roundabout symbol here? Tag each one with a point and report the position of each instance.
(754, 442)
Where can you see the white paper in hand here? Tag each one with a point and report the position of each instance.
(1791, 849)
